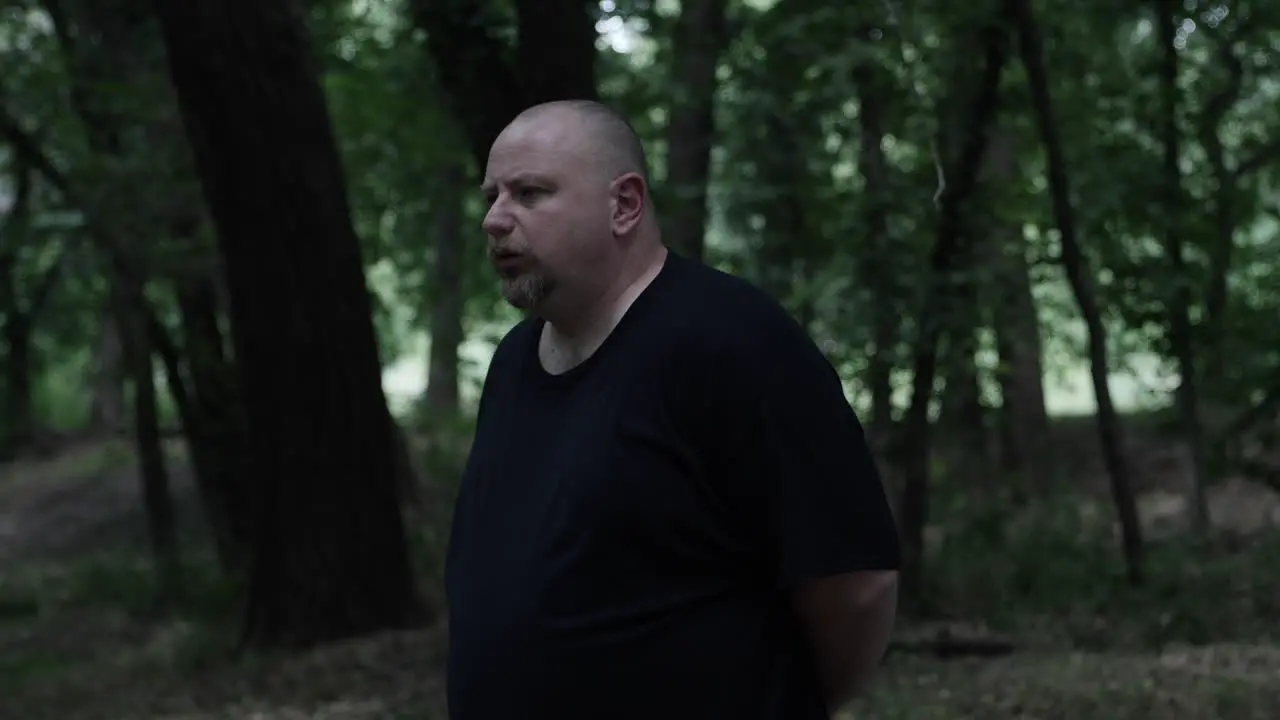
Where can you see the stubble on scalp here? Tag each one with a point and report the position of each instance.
(610, 142)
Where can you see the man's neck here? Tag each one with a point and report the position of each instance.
(584, 332)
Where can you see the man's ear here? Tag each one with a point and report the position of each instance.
(630, 196)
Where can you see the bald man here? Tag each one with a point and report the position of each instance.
(670, 511)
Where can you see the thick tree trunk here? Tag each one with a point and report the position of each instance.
(699, 40)
(556, 49)
(329, 556)
(1076, 267)
(490, 82)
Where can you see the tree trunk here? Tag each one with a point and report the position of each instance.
(556, 49)
(19, 389)
(447, 296)
(962, 418)
(20, 315)
(329, 556)
(18, 330)
(99, 49)
(489, 82)
(699, 39)
(1181, 340)
(157, 499)
(106, 395)
(1076, 267)
(872, 88)
(119, 49)
(1025, 447)
(913, 451)
(15, 328)
(781, 252)
(214, 424)
(1026, 453)
(1224, 220)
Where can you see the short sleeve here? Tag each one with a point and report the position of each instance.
(827, 512)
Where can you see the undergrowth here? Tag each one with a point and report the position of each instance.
(1056, 568)
(1198, 639)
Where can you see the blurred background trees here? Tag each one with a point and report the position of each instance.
(1038, 240)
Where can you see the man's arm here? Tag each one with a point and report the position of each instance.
(831, 531)
(848, 619)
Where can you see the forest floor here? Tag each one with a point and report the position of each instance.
(77, 641)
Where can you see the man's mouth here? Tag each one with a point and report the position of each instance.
(507, 261)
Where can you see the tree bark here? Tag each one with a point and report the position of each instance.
(700, 36)
(329, 556)
(489, 82)
(1076, 267)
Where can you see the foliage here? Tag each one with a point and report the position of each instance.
(838, 133)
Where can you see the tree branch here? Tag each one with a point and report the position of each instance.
(45, 285)
(27, 147)
(474, 68)
(1262, 156)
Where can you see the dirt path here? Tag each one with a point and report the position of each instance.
(86, 501)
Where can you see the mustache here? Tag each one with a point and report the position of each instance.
(498, 251)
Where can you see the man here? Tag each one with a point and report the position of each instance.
(669, 511)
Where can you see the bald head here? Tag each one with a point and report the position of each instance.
(606, 135)
(569, 212)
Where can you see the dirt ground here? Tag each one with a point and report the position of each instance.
(102, 664)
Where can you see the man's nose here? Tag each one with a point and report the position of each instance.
(497, 222)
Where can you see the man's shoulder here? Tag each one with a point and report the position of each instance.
(729, 320)
(507, 355)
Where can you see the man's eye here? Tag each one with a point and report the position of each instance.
(527, 194)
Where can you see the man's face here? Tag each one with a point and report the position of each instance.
(548, 218)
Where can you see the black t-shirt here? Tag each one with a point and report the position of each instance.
(626, 532)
